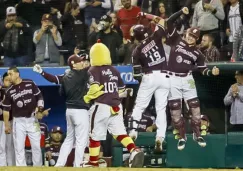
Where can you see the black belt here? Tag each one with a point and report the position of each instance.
(177, 74)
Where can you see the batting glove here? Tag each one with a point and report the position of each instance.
(133, 134)
(37, 68)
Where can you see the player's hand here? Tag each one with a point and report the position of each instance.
(7, 129)
(149, 129)
(133, 134)
(37, 68)
(46, 112)
(130, 91)
(215, 71)
(228, 32)
(48, 155)
(76, 51)
(141, 15)
(185, 10)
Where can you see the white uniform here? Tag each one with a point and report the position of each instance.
(77, 133)
(7, 156)
(151, 57)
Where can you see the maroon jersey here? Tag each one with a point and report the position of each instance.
(150, 54)
(183, 58)
(54, 149)
(2, 94)
(22, 99)
(112, 81)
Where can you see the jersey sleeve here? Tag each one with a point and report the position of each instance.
(6, 103)
(159, 33)
(37, 93)
(173, 36)
(135, 57)
(94, 77)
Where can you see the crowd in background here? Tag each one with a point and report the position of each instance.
(48, 31)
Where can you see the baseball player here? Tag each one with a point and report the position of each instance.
(7, 156)
(184, 58)
(74, 87)
(21, 98)
(149, 61)
(106, 88)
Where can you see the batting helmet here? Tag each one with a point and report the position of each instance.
(140, 32)
(76, 59)
(195, 32)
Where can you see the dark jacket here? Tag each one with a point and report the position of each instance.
(23, 35)
(74, 86)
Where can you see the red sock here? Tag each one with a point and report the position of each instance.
(126, 142)
(94, 151)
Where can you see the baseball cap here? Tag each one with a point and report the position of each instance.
(77, 59)
(195, 32)
(46, 17)
(106, 18)
(10, 11)
(56, 129)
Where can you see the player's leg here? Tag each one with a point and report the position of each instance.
(98, 130)
(34, 134)
(161, 99)
(3, 161)
(175, 106)
(19, 135)
(117, 128)
(9, 149)
(81, 134)
(190, 95)
(67, 145)
(144, 95)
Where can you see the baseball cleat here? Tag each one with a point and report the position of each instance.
(136, 159)
(90, 165)
(201, 142)
(158, 144)
(181, 144)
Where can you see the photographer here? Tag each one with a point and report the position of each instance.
(107, 36)
(13, 38)
(47, 40)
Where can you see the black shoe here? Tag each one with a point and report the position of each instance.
(181, 144)
(201, 142)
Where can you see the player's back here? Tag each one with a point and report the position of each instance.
(109, 77)
(150, 52)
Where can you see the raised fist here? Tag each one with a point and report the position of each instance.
(37, 68)
(215, 71)
(185, 10)
(141, 14)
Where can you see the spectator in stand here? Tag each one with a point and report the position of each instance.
(234, 97)
(207, 14)
(47, 40)
(127, 17)
(4, 4)
(107, 36)
(238, 45)
(161, 11)
(145, 5)
(14, 34)
(118, 5)
(94, 9)
(114, 26)
(210, 51)
(73, 29)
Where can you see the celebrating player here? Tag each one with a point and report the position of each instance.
(149, 60)
(7, 157)
(184, 58)
(106, 114)
(21, 98)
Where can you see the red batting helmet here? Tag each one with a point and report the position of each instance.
(193, 31)
(140, 32)
(76, 59)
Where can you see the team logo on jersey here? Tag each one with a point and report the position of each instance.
(183, 44)
(179, 59)
(20, 104)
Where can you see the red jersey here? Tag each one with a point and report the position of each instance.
(126, 19)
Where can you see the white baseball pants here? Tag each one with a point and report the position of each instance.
(7, 156)
(27, 126)
(77, 134)
(156, 83)
(102, 120)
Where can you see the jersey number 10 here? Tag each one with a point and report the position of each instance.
(110, 87)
